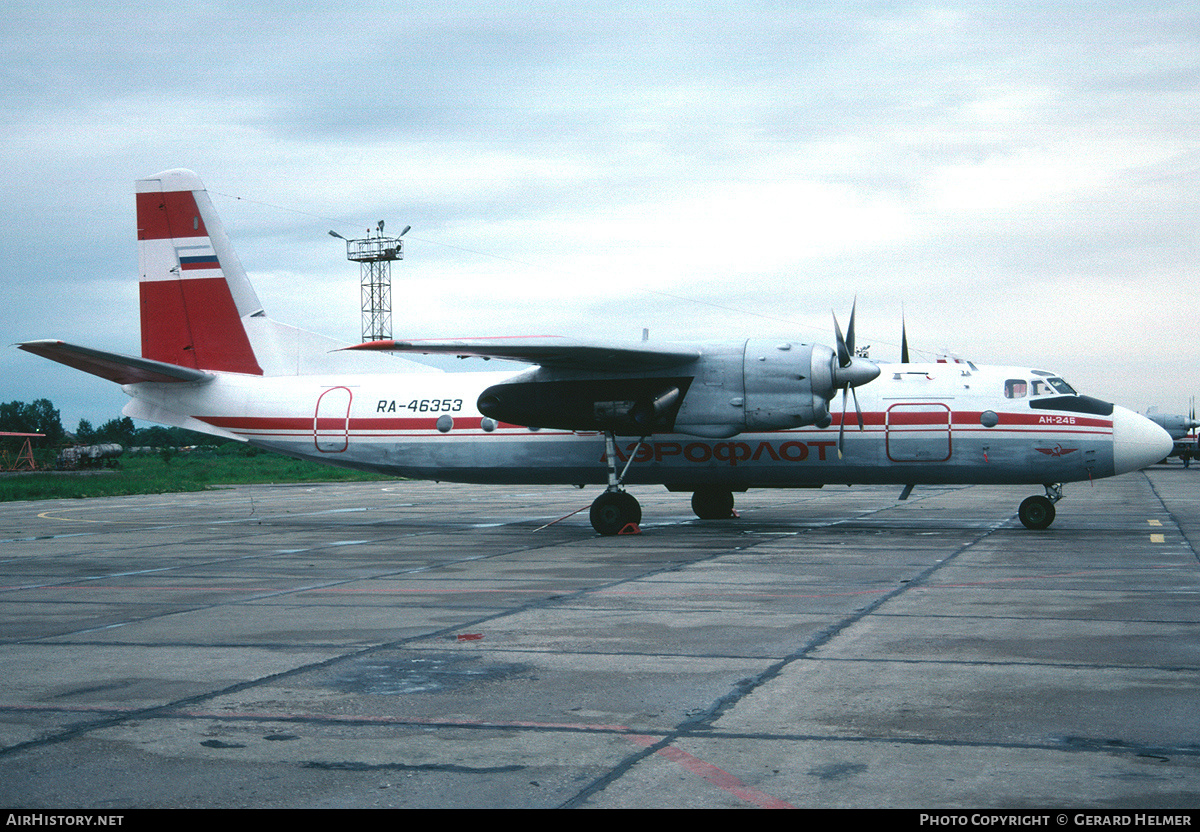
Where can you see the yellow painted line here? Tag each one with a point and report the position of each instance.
(45, 515)
(1158, 538)
(1154, 522)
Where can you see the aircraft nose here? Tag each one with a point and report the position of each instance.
(1137, 442)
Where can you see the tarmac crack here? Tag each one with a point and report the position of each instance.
(700, 725)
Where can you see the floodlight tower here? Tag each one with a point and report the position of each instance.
(375, 254)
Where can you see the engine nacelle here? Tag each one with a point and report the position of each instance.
(760, 385)
(754, 385)
(779, 384)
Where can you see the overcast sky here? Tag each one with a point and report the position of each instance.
(1022, 178)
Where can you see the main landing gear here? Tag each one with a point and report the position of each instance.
(711, 502)
(1037, 512)
(616, 510)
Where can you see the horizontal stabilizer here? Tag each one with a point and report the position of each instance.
(149, 412)
(123, 369)
(551, 351)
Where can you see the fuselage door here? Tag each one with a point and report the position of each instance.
(331, 422)
(918, 432)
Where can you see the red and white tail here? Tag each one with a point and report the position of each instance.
(194, 293)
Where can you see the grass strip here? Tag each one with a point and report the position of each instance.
(195, 471)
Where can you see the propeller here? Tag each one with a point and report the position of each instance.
(903, 341)
(851, 371)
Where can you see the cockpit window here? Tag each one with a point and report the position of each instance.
(1015, 388)
(1062, 387)
(1019, 388)
(1049, 386)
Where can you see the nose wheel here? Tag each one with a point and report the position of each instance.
(1038, 512)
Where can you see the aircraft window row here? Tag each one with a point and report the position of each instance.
(1019, 388)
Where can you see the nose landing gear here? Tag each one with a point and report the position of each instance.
(1038, 512)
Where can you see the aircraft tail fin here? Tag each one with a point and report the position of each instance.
(194, 293)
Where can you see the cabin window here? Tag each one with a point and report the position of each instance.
(1015, 388)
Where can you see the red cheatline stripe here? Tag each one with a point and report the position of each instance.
(966, 418)
(429, 422)
(338, 423)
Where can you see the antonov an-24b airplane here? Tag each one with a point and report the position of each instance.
(711, 417)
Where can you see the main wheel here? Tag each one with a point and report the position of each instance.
(613, 511)
(1036, 512)
(712, 503)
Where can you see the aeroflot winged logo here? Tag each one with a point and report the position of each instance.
(728, 452)
(1057, 450)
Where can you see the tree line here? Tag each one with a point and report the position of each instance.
(40, 416)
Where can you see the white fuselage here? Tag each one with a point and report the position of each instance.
(922, 424)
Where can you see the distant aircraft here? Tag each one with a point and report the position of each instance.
(710, 417)
(1184, 446)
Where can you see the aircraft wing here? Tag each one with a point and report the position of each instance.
(552, 351)
(123, 369)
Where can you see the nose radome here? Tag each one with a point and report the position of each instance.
(1137, 442)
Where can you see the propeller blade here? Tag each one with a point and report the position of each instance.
(850, 329)
(842, 426)
(851, 371)
(843, 351)
(903, 341)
